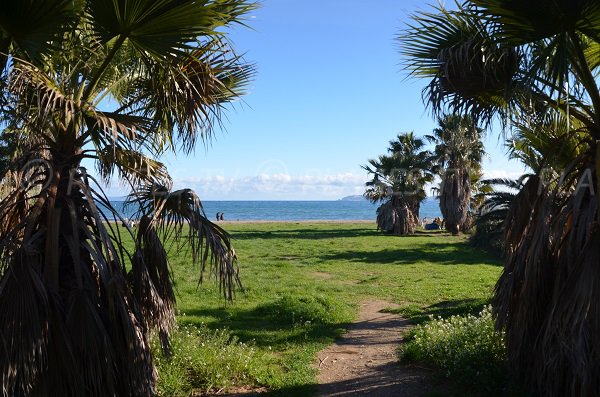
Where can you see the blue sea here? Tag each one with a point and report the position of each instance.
(296, 210)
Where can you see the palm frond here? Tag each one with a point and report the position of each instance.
(523, 22)
(179, 215)
(187, 96)
(163, 28)
(33, 27)
(134, 167)
(468, 71)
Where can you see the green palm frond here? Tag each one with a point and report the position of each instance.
(467, 69)
(546, 140)
(521, 22)
(34, 27)
(193, 91)
(163, 28)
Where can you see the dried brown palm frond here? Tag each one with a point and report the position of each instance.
(132, 166)
(152, 283)
(543, 296)
(179, 216)
(396, 220)
(89, 329)
(72, 321)
(455, 199)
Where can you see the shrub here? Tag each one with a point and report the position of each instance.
(467, 348)
(205, 359)
(300, 310)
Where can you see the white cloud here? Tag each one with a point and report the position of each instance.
(276, 186)
(495, 174)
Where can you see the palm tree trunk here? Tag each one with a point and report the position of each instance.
(547, 297)
(455, 197)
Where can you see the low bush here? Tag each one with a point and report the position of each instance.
(302, 310)
(204, 359)
(466, 348)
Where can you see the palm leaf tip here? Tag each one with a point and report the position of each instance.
(178, 216)
(468, 70)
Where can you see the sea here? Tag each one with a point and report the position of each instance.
(340, 210)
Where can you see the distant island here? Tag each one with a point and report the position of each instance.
(353, 198)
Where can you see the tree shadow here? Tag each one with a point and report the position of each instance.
(445, 309)
(438, 253)
(304, 233)
(263, 329)
(391, 379)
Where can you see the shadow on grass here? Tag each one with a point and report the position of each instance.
(266, 330)
(390, 379)
(455, 254)
(318, 234)
(306, 234)
(442, 309)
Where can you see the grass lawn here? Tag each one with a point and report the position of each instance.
(303, 282)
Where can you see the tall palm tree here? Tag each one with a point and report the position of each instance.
(119, 84)
(398, 183)
(456, 158)
(504, 57)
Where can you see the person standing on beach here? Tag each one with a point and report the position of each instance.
(222, 216)
(218, 216)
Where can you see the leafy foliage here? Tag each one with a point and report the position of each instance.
(398, 182)
(74, 318)
(456, 159)
(467, 348)
(489, 222)
(206, 360)
(545, 297)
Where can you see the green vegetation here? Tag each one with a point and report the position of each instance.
(399, 180)
(466, 348)
(534, 68)
(114, 86)
(205, 359)
(303, 283)
(457, 159)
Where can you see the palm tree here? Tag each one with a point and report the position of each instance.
(493, 211)
(541, 142)
(457, 160)
(506, 58)
(119, 84)
(398, 183)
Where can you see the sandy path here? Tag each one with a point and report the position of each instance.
(364, 361)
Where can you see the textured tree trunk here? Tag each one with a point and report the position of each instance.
(547, 297)
(396, 218)
(455, 196)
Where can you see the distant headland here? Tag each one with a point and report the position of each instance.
(353, 198)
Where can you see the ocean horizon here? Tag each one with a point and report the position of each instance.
(293, 210)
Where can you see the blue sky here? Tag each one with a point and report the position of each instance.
(329, 94)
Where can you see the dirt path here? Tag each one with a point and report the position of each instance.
(364, 361)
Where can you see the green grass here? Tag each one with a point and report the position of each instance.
(303, 282)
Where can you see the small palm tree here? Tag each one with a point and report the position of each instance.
(119, 84)
(399, 180)
(456, 158)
